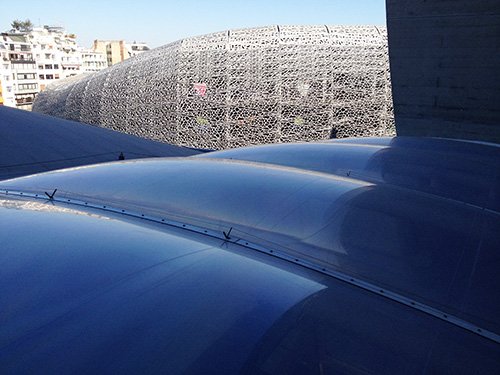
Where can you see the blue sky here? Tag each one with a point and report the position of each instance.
(161, 22)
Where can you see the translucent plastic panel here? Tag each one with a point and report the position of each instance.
(460, 170)
(423, 246)
(87, 291)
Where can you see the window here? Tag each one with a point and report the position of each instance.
(27, 86)
(48, 66)
(49, 76)
(25, 98)
(40, 67)
(22, 76)
(56, 66)
(23, 66)
(41, 76)
(56, 76)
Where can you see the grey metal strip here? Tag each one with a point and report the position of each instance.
(383, 292)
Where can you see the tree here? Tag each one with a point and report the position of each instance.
(23, 26)
(16, 24)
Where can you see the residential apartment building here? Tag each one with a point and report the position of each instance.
(114, 50)
(134, 49)
(93, 61)
(6, 80)
(20, 65)
(117, 50)
(32, 60)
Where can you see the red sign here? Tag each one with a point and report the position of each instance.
(200, 88)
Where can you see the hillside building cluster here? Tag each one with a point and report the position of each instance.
(30, 61)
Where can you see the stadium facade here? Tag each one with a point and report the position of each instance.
(241, 87)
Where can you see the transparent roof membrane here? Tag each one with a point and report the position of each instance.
(429, 248)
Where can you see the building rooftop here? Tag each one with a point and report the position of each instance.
(34, 143)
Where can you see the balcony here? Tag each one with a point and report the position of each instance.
(25, 99)
(21, 60)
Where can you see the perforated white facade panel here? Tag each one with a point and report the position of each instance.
(240, 87)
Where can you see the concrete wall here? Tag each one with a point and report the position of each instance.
(445, 67)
